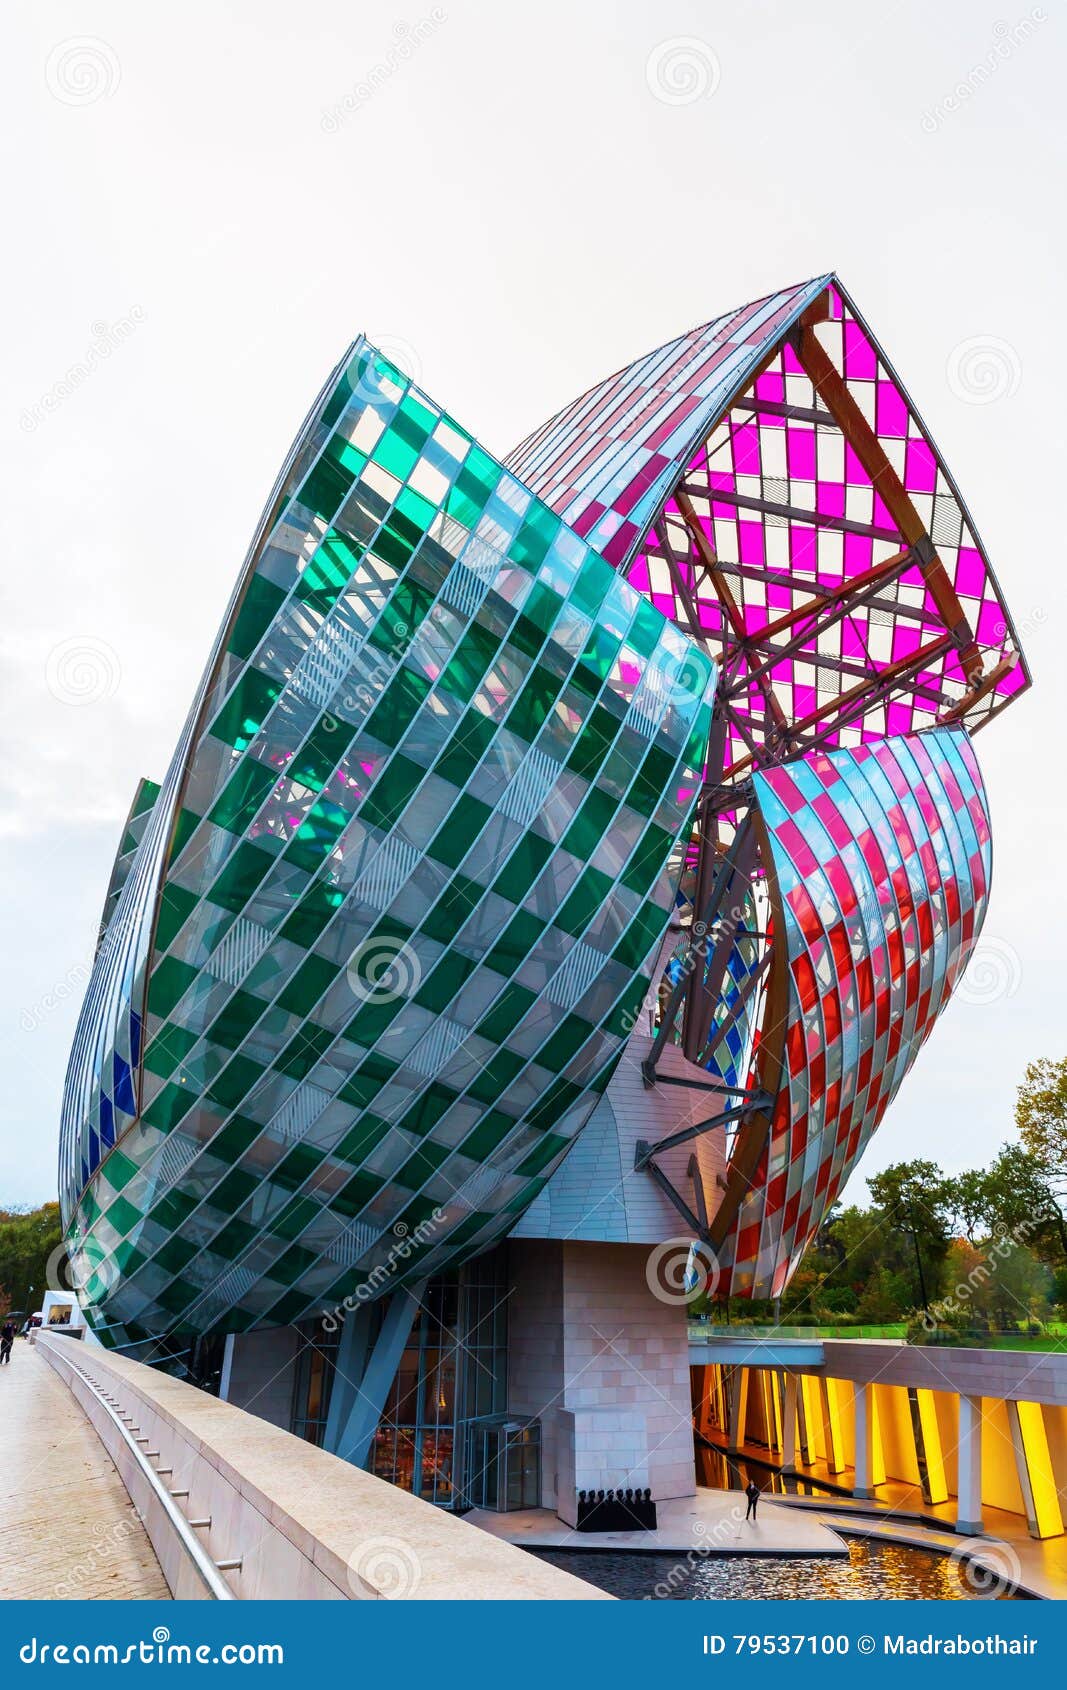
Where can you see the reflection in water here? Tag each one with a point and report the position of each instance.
(720, 1471)
(872, 1571)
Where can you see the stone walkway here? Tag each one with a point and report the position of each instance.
(67, 1527)
(711, 1522)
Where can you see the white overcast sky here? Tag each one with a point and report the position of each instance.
(528, 200)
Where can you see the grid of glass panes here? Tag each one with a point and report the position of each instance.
(443, 727)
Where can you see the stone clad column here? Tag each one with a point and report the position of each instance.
(789, 1425)
(969, 1455)
(864, 1485)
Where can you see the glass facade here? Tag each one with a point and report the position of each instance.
(440, 1431)
(394, 937)
(373, 947)
(879, 864)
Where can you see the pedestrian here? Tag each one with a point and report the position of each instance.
(7, 1338)
(752, 1491)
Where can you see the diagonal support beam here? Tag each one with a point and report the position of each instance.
(830, 386)
(357, 1430)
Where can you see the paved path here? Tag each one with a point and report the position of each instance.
(67, 1526)
(711, 1522)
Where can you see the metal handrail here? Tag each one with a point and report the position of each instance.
(205, 1566)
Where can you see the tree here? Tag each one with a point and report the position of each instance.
(28, 1238)
(971, 1201)
(1021, 1201)
(917, 1203)
(1041, 1115)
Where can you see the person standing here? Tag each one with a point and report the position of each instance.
(752, 1491)
(7, 1338)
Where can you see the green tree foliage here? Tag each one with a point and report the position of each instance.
(28, 1239)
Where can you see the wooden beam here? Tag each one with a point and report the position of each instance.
(830, 386)
(734, 614)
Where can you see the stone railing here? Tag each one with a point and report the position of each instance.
(235, 1507)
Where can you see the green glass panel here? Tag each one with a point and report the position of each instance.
(587, 896)
(461, 828)
(169, 983)
(246, 709)
(506, 1013)
(640, 936)
(516, 942)
(650, 854)
(522, 868)
(304, 1050)
(259, 607)
(244, 792)
(308, 984)
(235, 1081)
(240, 877)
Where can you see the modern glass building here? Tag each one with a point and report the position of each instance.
(563, 856)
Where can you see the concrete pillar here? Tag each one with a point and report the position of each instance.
(789, 1425)
(969, 1459)
(864, 1485)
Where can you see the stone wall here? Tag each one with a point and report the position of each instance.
(603, 1363)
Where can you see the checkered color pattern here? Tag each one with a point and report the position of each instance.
(389, 922)
(605, 461)
(880, 861)
(788, 510)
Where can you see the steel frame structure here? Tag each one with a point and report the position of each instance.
(728, 839)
